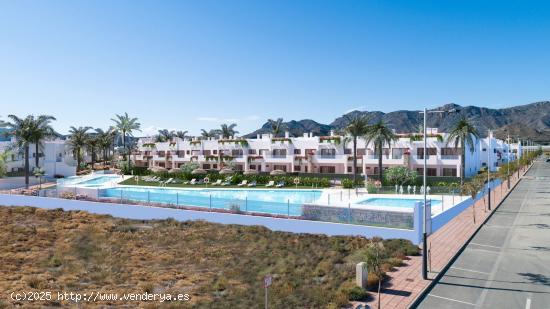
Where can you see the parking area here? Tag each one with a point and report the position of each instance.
(507, 263)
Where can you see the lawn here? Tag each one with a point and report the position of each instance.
(219, 266)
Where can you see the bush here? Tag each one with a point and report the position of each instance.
(372, 281)
(357, 294)
(401, 245)
(67, 195)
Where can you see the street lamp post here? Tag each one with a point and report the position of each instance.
(489, 138)
(424, 180)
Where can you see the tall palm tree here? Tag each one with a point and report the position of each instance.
(23, 132)
(277, 126)
(92, 145)
(380, 134)
(78, 139)
(227, 131)
(125, 125)
(105, 141)
(164, 135)
(463, 134)
(41, 129)
(356, 128)
(181, 134)
(208, 134)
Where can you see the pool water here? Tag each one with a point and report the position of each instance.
(395, 202)
(278, 202)
(95, 182)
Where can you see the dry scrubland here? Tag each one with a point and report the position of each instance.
(219, 266)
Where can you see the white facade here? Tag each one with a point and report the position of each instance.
(315, 154)
(55, 157)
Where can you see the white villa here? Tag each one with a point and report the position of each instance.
(55, 157)
(322, 154)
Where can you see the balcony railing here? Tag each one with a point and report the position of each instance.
(450, 157)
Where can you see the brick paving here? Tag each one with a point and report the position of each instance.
(406, 283)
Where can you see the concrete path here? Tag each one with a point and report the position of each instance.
(507, 263)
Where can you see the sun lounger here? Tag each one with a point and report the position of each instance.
(243, 183)
(200, 182)
(280, 184)
(227, 182)
(217, 183)
(192, 182)
(252, 184)
(270, 183)
(169, 181)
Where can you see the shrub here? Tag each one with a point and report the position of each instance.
(67, 195)
(401, 245)
(357, 294)
(395, 262)
(372, 281)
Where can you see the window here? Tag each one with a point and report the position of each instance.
(214, 165)
(279, 167)
(279, 153)
(206, 166)
(328, 153)
(451, 172)
(188, 152)
(327, 169)
(431, 152)
(251, 151)
(297, 151)
(347, 151)
(361, 151)
(350, 169)
(297, 168)
(237, 153)
(215, 151)
(429, 172)
(397, 153)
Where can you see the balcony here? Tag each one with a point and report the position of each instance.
(450, 157)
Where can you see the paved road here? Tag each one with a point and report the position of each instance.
(507, 263)
(16, 182)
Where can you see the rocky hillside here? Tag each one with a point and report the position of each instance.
(527, 121)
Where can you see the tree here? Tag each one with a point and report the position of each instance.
(92, 145)
(23, 132)
(227, 131)
(41, 129)
(125, 125)
(208, 134)
(78, 139)
(472, 188)
(463, 134)
(380, 134)
(3, 163)
(277, 126)
(357, 126)
(400, 175)
(181, 134)
(164, 136)
(105, 141)
(375, 258)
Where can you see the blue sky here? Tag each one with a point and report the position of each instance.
(195, 64)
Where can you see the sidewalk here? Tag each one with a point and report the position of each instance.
(406, 283)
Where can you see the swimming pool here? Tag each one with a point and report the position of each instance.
(277, 202)
(395, 202)
(98, 181)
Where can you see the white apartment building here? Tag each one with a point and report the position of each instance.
(318, 154)
(55, 157)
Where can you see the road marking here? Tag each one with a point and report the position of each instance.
(470, 270)
(528, 303)
(489, 246)
(455, 300)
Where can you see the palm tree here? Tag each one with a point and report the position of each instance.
(181, 134)
(78, 139)
(125, 126)
(105, 141)
(227, 131)
(357, 126)
(92, 145)
(463, 134)
(41, 129)
(208, 134)
(165, 135)
(277, 126)
(380, 134)
(23, 132)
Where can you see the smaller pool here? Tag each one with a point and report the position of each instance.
(98, 181)
(394, 202)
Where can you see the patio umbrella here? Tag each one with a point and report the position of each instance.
(226, 171)
(198, 171)
(250, 172)
(277, 172)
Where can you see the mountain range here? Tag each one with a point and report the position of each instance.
(530, 121)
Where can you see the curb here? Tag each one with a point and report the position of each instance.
(435, 280)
